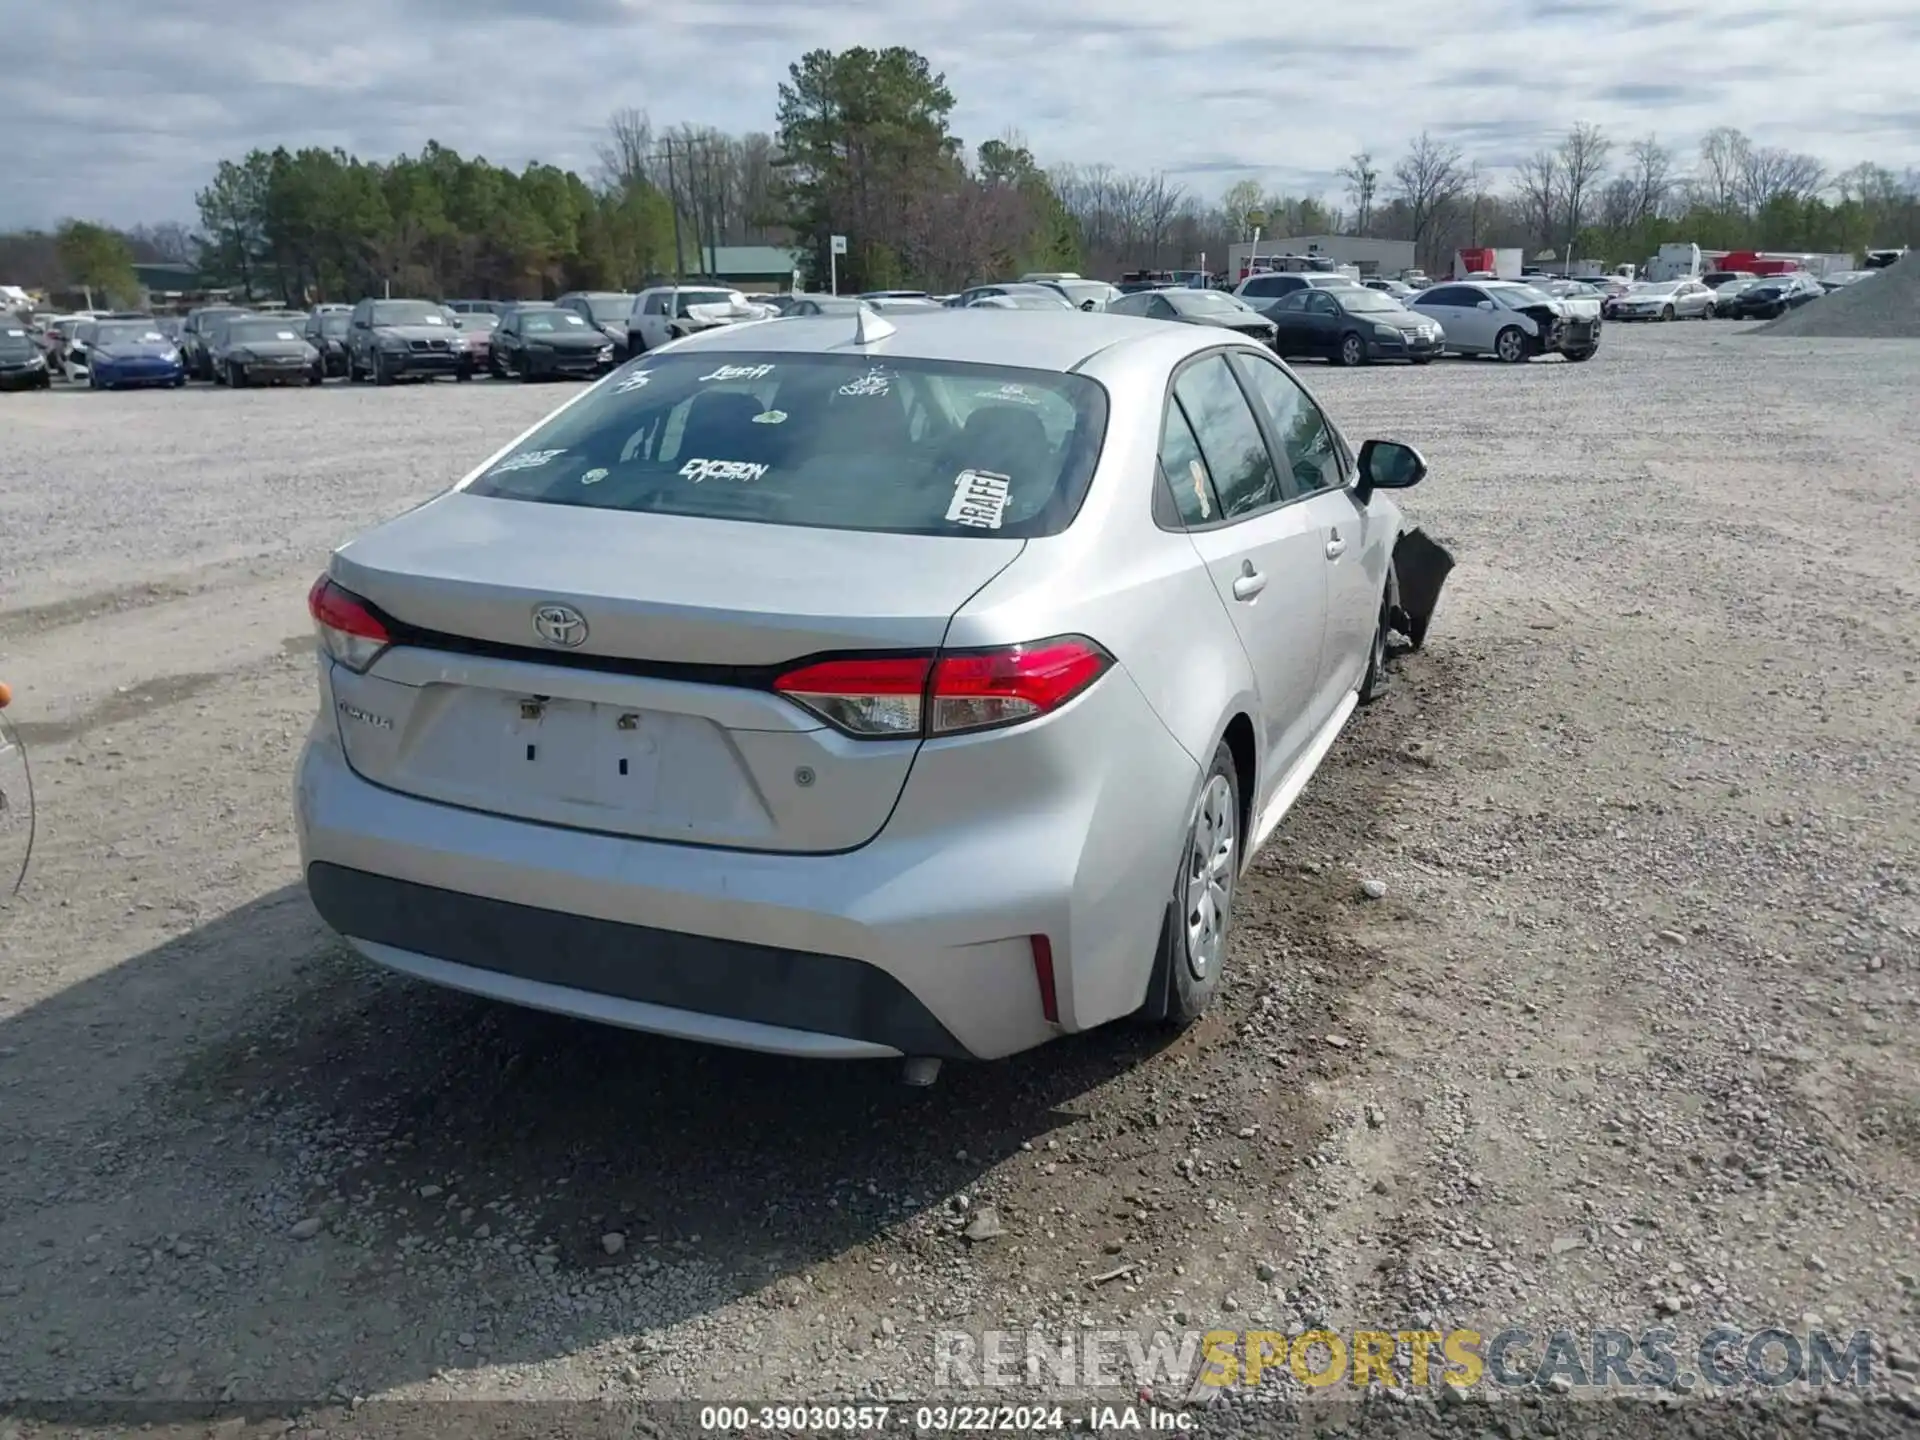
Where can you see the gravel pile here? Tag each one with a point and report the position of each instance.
(1885, 307)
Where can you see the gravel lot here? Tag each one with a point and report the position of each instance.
(1630, 1037)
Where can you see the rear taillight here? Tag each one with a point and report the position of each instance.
(906, 696)
(349, 630)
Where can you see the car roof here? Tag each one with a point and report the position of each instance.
(1030, 339)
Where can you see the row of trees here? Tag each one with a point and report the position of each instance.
(863, 147)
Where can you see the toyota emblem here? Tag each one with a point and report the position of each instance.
(560, 625)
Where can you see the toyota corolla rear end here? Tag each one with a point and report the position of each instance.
(658, 721)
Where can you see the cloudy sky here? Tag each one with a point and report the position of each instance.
(118, 109)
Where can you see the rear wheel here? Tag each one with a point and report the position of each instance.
(1199, 916)
(1353, 350)
(1510, 345)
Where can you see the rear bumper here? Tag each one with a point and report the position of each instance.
(916, 943)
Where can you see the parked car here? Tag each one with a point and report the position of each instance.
(132, 352)
(1773, 296)
(262, 350)
(1728, 291)
(1508, 320)
(1033, 296)
(1715, 279)
(23, 364)
(824, 304)
(549, 345)
(1083, 294)
(193, 337)
(1578, 296)
(391, 340)
(1197, 307)
(477, 307)
(862, 679)
(1398, 289)
(477, 327)
(1666, 300)
(326, 331)
(506, 313)
(605, 310)
(668, 312)
(1272, 284)
(1038, 298)
(74, 366)
(895, 295)
(1351, 325)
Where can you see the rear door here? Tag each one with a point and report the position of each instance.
(1263, 554)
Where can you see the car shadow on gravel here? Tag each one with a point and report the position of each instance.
(436, 1137)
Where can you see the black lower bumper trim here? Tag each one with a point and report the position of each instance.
(795, 989)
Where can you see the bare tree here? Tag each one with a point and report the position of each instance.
(627, 155)
(1363, 182)
(1160, 200)
(1770, 173)
(1429, 178)
(1537, 183)
(1723, 158)
(1649, 181)
(1583, 165)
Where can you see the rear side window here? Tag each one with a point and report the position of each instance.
(1230, 438)
(1184, 470)
(847, 442)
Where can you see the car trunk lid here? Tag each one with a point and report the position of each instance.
(659, 721)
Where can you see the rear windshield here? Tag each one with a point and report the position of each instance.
(914, 447)
(268, 329)
(408, 312)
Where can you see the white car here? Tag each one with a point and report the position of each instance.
(669, 311)
(1666, 300)
(1578, 296)
(74, 355)
(1508, 320)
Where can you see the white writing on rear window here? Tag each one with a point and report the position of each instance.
(526, 460)
(638, 380)
(979, 499)
(874, 382)
(740, 372)
(698, 470)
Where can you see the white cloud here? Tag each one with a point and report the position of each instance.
(119, 109)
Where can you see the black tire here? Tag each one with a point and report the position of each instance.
(463, 374)
(636, 344)
(1352, 351)
(1667, 313)
(180, 381)
(1578, 356)
(526, 373)
(236, 376)
(1183, 985)
(1377, 678)
(317, 375)
(1422, 359)
(1510, 346)
(381, 375)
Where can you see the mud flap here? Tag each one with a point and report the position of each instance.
(1420, 569)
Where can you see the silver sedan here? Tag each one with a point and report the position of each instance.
(855, 687)
(1667, 300)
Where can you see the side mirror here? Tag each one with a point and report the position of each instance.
(1484, 305)
(1389, 465)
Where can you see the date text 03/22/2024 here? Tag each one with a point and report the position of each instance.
(937, 1419)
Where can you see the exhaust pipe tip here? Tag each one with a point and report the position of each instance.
(920, 1071)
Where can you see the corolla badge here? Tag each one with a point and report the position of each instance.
(560, 625)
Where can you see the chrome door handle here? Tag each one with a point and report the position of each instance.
(1336, 547)
(1249, 583)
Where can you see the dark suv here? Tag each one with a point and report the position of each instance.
(197, 332)
(326, 331)
(389, 340)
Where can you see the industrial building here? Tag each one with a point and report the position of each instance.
(1372, 257)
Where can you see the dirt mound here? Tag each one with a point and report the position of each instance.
(1885, 306)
